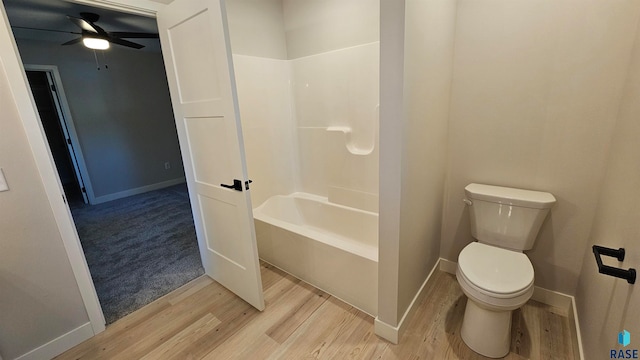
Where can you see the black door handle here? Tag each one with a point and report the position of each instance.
(237, 185)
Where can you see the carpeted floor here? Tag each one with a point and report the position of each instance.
(138, 248)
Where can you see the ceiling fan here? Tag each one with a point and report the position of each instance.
(95, 37)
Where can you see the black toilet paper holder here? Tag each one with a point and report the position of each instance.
(629, 274)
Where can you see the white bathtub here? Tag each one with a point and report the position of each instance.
(333, 247)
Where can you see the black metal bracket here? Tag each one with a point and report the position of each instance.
(237, 185)
(629, 275)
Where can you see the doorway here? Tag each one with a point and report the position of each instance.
(230, 235)
(139, 240)
(50, 104)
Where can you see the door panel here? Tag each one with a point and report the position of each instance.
(220, 230)
(195, 46)
(208, 142)
(196, 75)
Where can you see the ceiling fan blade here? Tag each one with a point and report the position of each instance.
(50, 30)
(83, 24)
(90, 17)
(100, 30)
(74, 41)
(137, 35)
(126, 43)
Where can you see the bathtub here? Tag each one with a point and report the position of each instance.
(330, 246)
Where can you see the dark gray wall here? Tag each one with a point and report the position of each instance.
(122, 115)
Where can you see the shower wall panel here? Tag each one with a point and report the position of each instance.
(267, 125)
(310, 122)
(336, 109)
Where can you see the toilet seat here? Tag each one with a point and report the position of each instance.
(495, 271)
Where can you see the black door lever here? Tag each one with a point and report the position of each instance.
(237, 185)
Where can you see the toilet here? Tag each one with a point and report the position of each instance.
(493, 273)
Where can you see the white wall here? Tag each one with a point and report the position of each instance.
(39, 297)
(607, 305)
(535, 93)
(123, 115)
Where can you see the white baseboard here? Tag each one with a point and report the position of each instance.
(136, 191)
(563, 302)
(61, 344)
(448, 266)
(553, 298)
(574, 323)
(386, 331)
(394, 333)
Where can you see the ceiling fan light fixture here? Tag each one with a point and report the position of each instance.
(95, 43)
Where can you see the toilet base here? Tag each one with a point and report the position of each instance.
(485, 331)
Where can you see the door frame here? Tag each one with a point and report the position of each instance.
(27, 111)
(69, 129)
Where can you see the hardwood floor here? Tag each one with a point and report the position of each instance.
(203, 320)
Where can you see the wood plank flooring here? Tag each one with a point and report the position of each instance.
(203, 320)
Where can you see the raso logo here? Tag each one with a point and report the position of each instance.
(624, 339)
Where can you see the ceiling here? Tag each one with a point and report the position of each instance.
(51, 15)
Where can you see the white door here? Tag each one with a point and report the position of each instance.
(57, 99)
(195, 45)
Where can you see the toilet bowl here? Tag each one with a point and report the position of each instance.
(496, 282)
(494, 273)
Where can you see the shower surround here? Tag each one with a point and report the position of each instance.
(311, 138)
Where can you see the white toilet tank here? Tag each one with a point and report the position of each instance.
(507, 217)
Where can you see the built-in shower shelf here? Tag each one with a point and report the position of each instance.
(353, 149)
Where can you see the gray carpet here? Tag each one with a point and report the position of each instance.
(138, 248)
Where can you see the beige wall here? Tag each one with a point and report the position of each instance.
(392, 123)
(607, 305)
(317, 26)
(535, 94)
(39, 297)
(256, 28)
(429, 34)
(413, 128)
(123, 115)
(290, 29)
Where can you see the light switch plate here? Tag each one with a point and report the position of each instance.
(3, 182)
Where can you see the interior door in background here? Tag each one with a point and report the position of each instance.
(54, 125)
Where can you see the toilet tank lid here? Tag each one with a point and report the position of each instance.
(510, 196)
